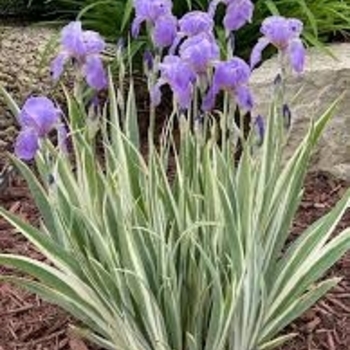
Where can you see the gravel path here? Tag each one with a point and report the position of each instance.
(23, 71)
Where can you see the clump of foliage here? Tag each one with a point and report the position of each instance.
(323, 18)
(187, 247)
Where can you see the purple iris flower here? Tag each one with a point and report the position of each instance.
(179, 76)
(192, 24)
(284, 34)
(84, 48)
(196, 22)
(232, 76)
(39, 114)
(149, 11)
(27, 144)
(238, 13)
(37, 118)
(199, 51)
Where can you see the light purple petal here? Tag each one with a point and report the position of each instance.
(238, 13)
(256, 55)
(27, 144)
(39, 114)
(209, 100)
(57, 65)
(184, 96)
(94, 44)
(135, 26)
(297, 55)
(196, 22)
(151, 10)
(230, 74)
(95, 73)
(165, 30)
(176, 43)
(72, 39)
(199, 51)
(280, 30)
(296, 26)
(180, 77)
(244, 97)
(212, 7)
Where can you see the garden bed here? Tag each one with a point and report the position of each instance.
(27, 323)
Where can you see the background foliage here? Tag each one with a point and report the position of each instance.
(323, 18)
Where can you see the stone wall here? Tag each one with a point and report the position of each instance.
(323, 81)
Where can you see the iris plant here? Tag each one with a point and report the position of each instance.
(84, 49)
(201, 259)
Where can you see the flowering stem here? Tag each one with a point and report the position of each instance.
(151, 127)
(230, 44)
(224, 123)
(282, 63)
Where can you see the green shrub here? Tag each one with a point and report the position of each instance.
(323, 18)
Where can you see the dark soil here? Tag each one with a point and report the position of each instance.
(27, 323)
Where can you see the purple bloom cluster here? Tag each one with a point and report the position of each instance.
(193, 58)
(157, 14)
(83, 48)
(284, 34)
(37, 118)
(197, 52)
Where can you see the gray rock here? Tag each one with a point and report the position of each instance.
(323, 81)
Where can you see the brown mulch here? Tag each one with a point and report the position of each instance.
(27, 323)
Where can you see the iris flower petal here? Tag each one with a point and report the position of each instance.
(27, 144)
(72, 39)
(57, 65)
(199, 51)
(244, 97)
(94, 72)
(209, 100)
(94, 44)
(39, 114)
(238, 14)
(135, 26)
(164, 32)
(257, 51)
(196, 22)
(297, 54)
